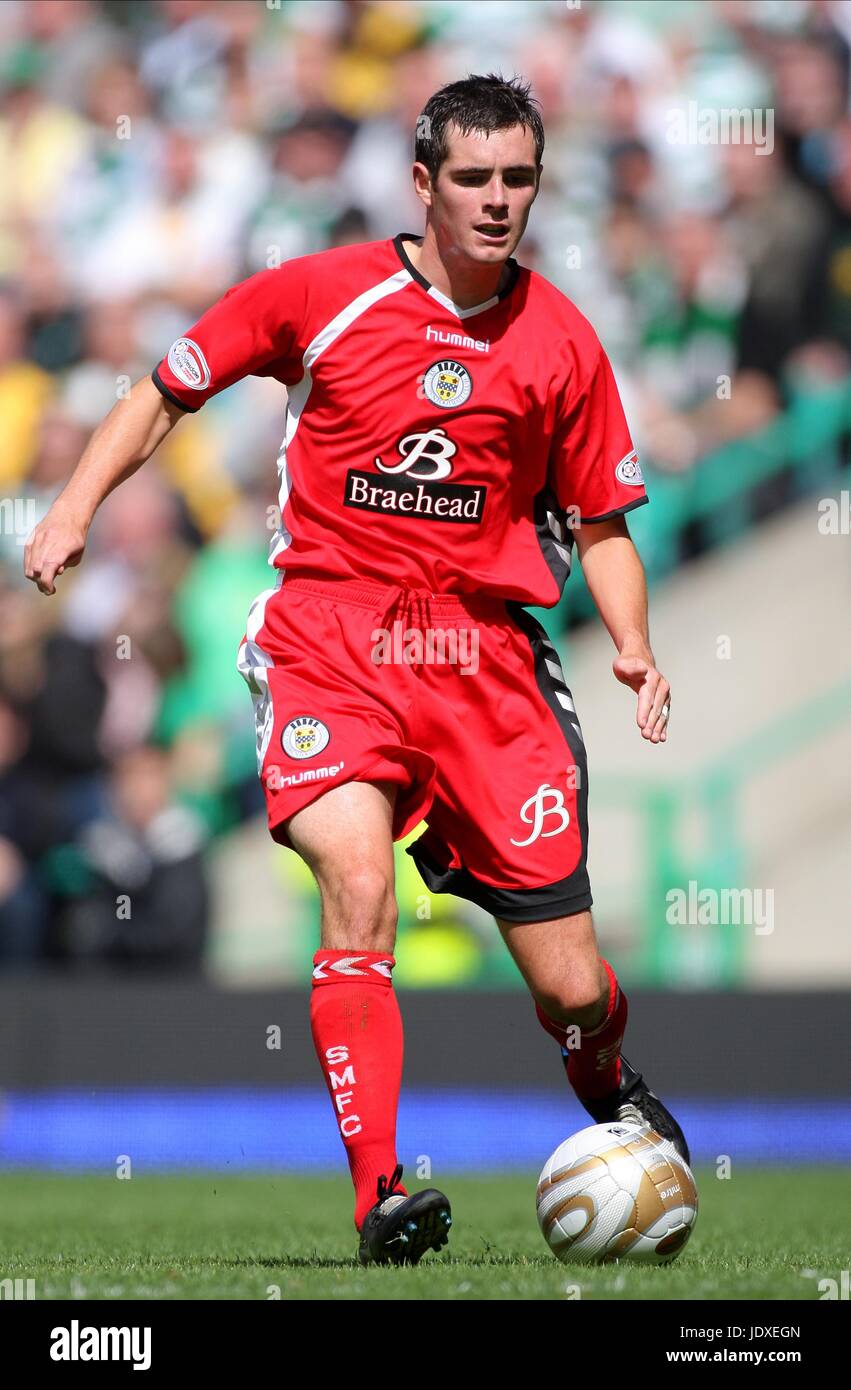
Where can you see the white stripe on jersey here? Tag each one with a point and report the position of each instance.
(297, 396)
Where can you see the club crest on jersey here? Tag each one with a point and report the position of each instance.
(629, 471)
(189, 364)
(304, 736)
(447, 384)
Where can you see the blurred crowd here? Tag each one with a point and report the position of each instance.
(154, 152)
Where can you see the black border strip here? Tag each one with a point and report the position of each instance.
(544, 501)
(542, 904)
(169, 395)
(619, 511)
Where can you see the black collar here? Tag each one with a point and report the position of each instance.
(513, 269)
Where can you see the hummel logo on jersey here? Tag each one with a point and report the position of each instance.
(347, 965)
(425, 455)
(456, 340)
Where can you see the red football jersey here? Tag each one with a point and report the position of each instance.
(426, 445)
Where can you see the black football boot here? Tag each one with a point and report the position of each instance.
(399, 1229)
(634, 1102)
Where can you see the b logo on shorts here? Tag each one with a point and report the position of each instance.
(304, 737)
(534, 810)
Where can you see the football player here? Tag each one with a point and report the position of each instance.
(453, 432)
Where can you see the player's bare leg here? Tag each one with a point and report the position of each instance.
(560, 963)
(346, 838)
(579, 1002)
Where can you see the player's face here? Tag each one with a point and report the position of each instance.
(483, 194)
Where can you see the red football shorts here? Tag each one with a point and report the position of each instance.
(459, 702)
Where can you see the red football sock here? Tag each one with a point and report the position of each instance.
(357, 1032)
(594, 1068)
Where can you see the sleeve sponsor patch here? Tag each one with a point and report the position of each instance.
(629, 471)
(189, 364)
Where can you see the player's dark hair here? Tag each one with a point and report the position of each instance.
(475, 104)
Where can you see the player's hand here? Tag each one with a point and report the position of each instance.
(654, 694)
(56, 544)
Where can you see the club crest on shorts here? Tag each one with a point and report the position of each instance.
(447, 384)
(629, 471)
(189, 364)
(304, 736)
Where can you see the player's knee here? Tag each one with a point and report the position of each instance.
(577, 999)
(359, 909)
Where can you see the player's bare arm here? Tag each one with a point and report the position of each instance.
(615, 577)
(120, 444)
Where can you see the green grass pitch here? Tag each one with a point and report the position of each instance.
(762, 1234)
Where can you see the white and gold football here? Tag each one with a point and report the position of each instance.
(616, 1192)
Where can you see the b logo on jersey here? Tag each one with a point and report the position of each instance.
(447, 384)
(629, 471)
(304, 737)
(413, 489)
(424, 455)
(189, 364)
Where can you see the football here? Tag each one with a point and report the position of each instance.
(616, 1192)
